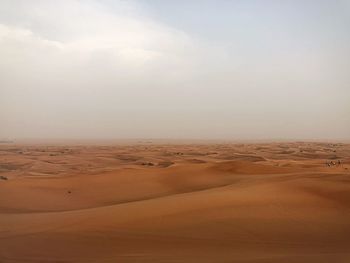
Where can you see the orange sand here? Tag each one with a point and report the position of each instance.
(272, 202)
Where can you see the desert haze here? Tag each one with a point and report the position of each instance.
(187, 131)
(157, 202)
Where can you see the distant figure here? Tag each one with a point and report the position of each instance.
(339, 162)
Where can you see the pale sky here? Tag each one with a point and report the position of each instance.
(182, 69)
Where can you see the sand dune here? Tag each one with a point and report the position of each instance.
(175, 203)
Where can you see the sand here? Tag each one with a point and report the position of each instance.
(149, 202)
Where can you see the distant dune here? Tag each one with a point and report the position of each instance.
(146, 202)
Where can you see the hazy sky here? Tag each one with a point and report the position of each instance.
(175, 69)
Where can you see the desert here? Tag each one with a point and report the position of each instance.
(182, 131)
(169, 202)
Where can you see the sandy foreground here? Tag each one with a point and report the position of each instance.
(146, 202)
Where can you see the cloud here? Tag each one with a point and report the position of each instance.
(109, 68)
(66, 60)
(85, 27)
(88, 37)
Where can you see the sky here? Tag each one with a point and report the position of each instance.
(184, 69)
